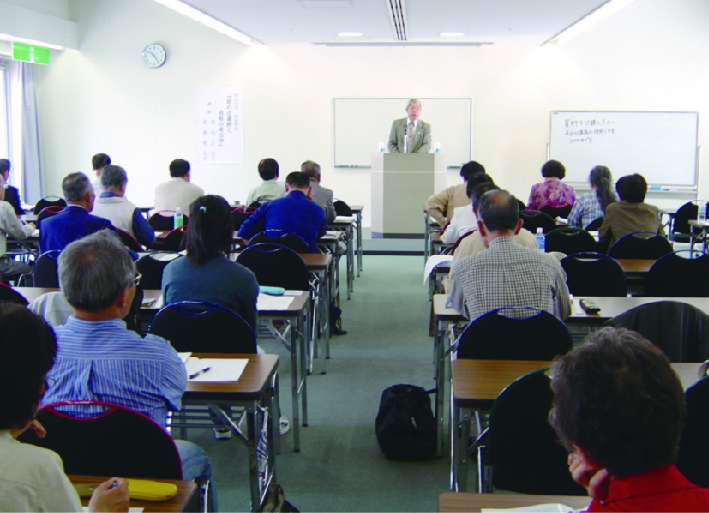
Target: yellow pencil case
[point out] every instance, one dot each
(138, 489)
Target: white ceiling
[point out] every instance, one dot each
(518, 22)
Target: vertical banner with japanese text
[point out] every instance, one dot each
(220, 124)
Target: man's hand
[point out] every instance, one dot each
(592, 477)
(111, 495)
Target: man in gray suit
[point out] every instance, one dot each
(321, 195)
(410, 134)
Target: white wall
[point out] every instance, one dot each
(653, 55)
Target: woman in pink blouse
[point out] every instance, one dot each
(551, 192)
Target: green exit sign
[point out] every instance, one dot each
(30, 53)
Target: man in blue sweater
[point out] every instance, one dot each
(294, 213)
(75, 221)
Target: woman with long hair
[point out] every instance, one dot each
(592, 205)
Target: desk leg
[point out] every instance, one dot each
(296, 382)
(253, 457)
(359, 243)
(350, 263)
(426, 239)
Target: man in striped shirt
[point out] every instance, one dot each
(99, 359)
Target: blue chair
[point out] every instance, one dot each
(199, 327)
(45, 272)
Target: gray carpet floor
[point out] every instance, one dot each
(340, 466)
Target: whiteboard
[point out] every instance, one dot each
(661, 146)
(361, 124)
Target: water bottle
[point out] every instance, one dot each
(702, 214)
(179, 220)
(540, 239)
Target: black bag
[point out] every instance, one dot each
(342, 209)
(405, 426)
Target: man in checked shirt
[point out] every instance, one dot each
(507, 274)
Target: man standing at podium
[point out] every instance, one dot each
(410, 134)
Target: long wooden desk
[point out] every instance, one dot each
(185, 493)
(475, 386)
(257, 392)
(461, 502)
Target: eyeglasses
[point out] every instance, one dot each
(137, 278)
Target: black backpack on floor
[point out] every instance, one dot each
(405, 425)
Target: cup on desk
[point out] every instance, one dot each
(436, 147)
(382, 147)
(702, 215)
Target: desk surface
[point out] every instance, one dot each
(453, 502)
(185, 490)
(483, 380)
(250, 384)
(636, 266)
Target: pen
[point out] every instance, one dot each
(199, 372)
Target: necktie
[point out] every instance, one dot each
(409, 137)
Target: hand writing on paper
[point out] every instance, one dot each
(111, 495)
(588, 474)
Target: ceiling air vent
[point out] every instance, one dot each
(397, 16)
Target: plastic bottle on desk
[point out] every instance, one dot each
(179, 219)
(540, 239)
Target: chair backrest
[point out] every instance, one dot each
(203, 328)
(174, 240)
(641, 245)
(679, 329)
(164, 223)
(694, 444)
(48, 201)
(570, 240)
(48, 212)
(289, 240)
(522, 449)
(10, 295)
(118, 442)
(533, 219)
(594, 274)
(46, 270)
(532, 334)
(675, 276)
(151, 267)
(555, 212)
(684, 214)
(594, 225)
(241, 214)
(275, 266)
(129, 241)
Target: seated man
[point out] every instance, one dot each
(473, 243)
(321, 195)
(294, 213)
(113, 205)
(12, 195)
(75, 221)
(507, 274)
(178, 192)
(270, 189)
(464, 218)
(11, 226)
(630, 214)
(99, 359)
(454, 196)
(619, 409)
(98, 162)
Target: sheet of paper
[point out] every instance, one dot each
(431, 264)
(220, 369)
(266, 302)
(541, 508)
(156, 303)
(184, 357)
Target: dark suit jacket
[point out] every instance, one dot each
(12, 196)
(72, 223)
(422, 137)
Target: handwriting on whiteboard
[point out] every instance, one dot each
(584, 131)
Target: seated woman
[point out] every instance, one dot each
(630, 214)
(551, 192)
(32, 478)
(619, 409)
(206, 273)
(592, 205)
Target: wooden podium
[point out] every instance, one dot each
(401, 184)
